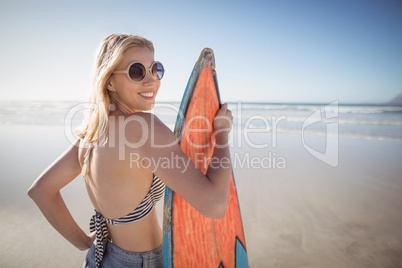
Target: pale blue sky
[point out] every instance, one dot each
(266, 51)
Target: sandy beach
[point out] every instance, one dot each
(301, 213)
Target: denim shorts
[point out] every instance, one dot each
(117, 257)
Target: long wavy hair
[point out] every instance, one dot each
(95, 125)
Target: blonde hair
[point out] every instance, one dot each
(95, 125)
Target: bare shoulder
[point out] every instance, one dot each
(146, 129)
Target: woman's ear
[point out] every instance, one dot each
(110, 86)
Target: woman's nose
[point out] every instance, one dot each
(149, 78)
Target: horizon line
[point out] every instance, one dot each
(230, 102)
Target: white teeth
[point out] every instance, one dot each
(147, 95)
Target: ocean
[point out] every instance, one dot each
(379, 122)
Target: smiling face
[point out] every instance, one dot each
(138, 96)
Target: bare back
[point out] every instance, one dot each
(116, 188)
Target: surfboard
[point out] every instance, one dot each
(190, 239)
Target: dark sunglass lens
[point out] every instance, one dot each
(157, 70)
(137, 72)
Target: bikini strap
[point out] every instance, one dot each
(85, 166)
(98, 225)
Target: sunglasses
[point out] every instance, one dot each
(137, 72)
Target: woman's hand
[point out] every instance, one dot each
(223, 122)
(45, 192)
(91, 239)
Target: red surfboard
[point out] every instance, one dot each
(190, 239)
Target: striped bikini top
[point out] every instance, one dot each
(98, 223)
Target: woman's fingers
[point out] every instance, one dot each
(224, 118)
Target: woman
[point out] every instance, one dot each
(124, 193)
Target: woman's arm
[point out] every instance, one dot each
(206, 193)
(45, 191)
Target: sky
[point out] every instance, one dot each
(310, 51)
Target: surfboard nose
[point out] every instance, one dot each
(207, 57)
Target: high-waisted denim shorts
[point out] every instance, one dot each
(117, 257)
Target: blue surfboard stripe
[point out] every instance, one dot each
(241, 255)
(167, 229)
